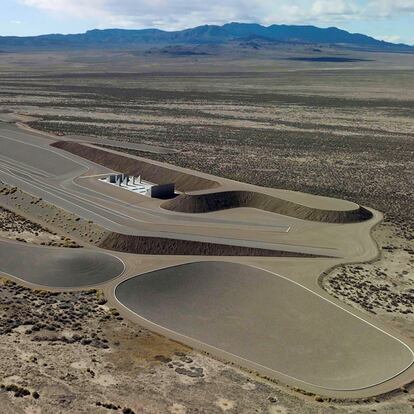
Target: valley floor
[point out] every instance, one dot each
(342, 130)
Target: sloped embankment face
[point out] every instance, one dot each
(165, 246)
(148, 171)
(204, 203)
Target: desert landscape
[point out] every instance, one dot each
(321, 120)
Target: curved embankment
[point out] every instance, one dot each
(148, 171)
(204, 203)
(164, 246)
(262, 320)
(212, 201)
(58, 267)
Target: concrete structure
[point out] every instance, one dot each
(137, 185)
(163, 191)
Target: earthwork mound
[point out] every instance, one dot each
(165, 246)
(205, 203)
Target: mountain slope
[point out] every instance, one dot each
(210, 34)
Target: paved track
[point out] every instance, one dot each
(262, 317)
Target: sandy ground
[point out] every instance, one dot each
(57, 345)
(384, 288)
(39, 214)
(16, 227)
(336, 130)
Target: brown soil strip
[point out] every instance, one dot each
(164, 246)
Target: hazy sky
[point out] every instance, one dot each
(391, 20)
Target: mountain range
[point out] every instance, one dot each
(207, 34)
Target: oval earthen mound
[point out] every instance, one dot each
(262, 320)
(209, 202)
(134, 166)
(58, 267)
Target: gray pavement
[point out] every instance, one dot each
(58, 267)
(269, 320)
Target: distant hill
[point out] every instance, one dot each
(207, 34)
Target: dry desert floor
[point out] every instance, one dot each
(337, 129)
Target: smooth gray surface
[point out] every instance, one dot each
(42, 159)
(268, 320)
(58, 267)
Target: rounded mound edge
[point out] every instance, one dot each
(209, 202)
